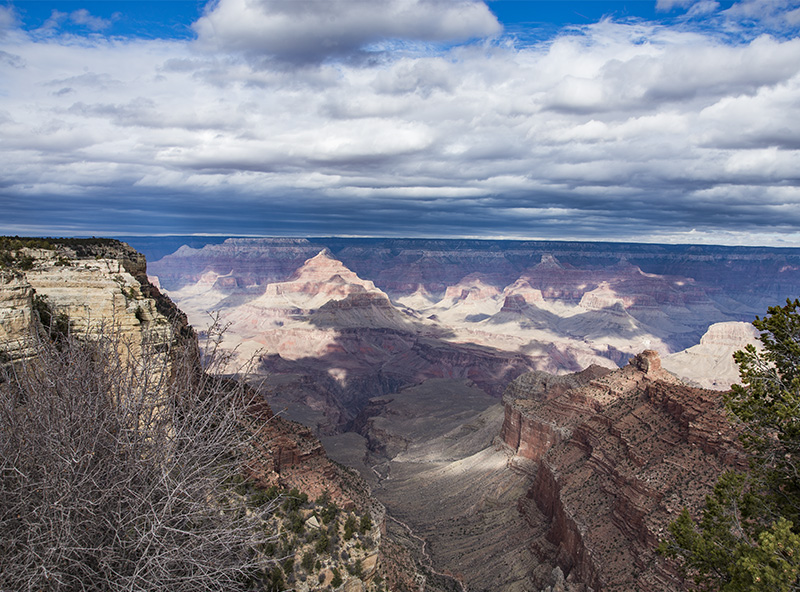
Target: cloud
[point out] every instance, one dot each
(310, 31)
(780, 17)
(618, 131)
(12, 60)
(667, 5)
(747, 18)
(83, 17)
(770, 11)
(8, 19)
(703, 8)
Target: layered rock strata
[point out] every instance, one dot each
(563, 305)
(16, 309)
(616, 456)
(98, 287)
(102, 288)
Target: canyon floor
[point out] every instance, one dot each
(432, 459)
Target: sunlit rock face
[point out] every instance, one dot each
(250, 261)
(16, 307)
(396, 351)
(617, 456)
(710, 363)
(104, 290)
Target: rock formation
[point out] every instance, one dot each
(563, 305)
(99, 287)
(710, 364)
(616, 455)
(16, 308)
(357, 334)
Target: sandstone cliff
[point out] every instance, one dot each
(562, 305)
(615, 455)
(99, 285)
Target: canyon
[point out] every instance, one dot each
(522, 415)
(532, 415)
(330, 323)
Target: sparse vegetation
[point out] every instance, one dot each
(133, 476)
(55, 324)
(12, 255)
(365, 525)
(337, 578)
(349, 527)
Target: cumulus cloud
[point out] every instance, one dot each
(311, 30)
(618, 131)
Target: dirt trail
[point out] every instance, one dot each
(428, 562)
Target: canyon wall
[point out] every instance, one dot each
(617, 456)
(99, 287)
(346, 332)
(640, 274)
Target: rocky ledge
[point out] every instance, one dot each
(616, 455)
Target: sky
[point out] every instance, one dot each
(673, 121)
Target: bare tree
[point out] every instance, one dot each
(117, 471)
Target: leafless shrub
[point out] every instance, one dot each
(117, 472)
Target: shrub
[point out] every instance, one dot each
(294, 499)
(337, 578)
(323, 544)
(308, 560)
(349, 527)
(748, 536)
(57, 325)
(365, 524)
(116, 476)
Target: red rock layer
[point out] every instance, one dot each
(289, 455)
(618, 456)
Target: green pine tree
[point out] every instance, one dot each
(748, 537)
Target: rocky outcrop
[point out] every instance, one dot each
(618, 455)
(564, 304)
(710, 363)
(16, 308)
(97, 286)
(290, 456)
(648, 274)
(528, 431)
(249, 261)
(319, 280)
(102, 288)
